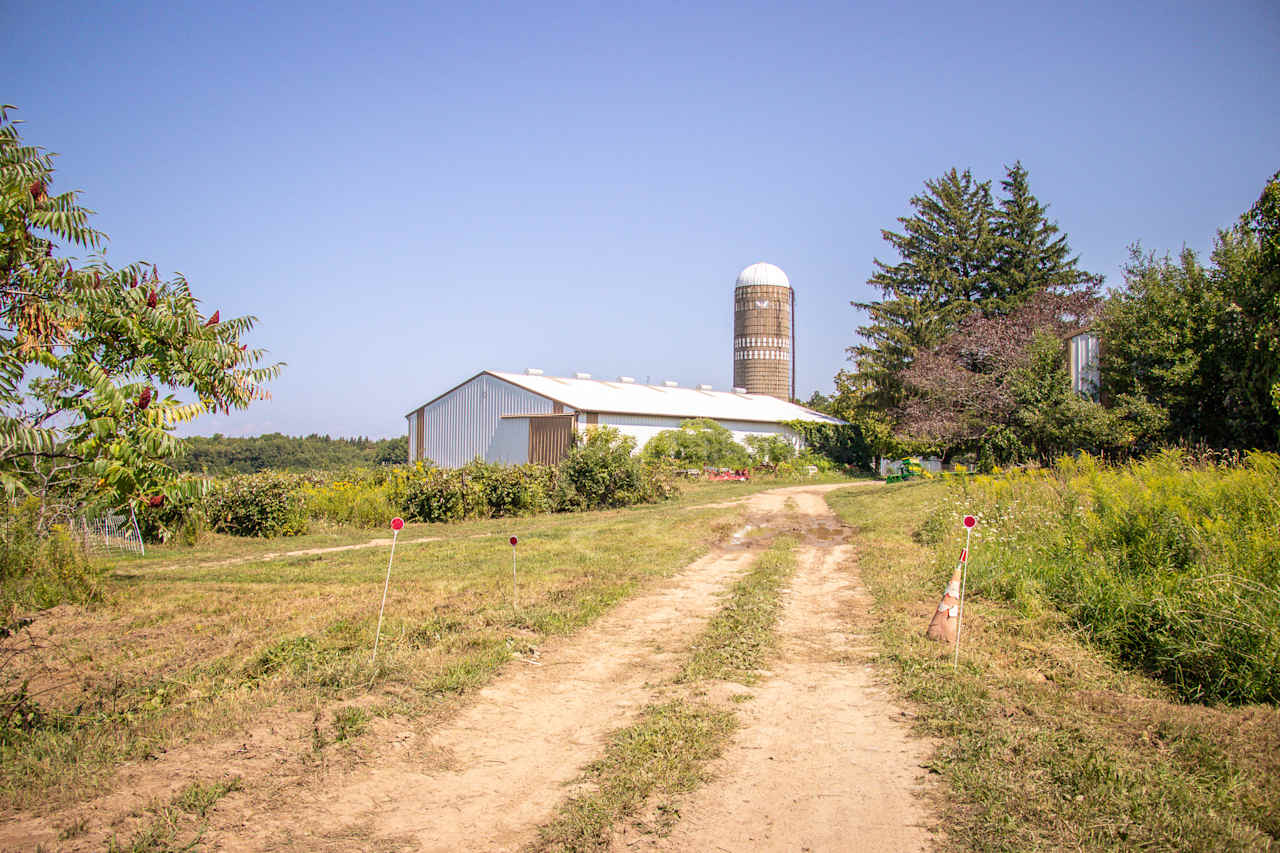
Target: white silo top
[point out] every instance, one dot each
(763, 273)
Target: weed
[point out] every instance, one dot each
(74, 830)
(198, 797)
(664, 755)
(173, 826)
(1173, 568)
(348, 723)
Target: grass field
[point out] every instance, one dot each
(195, 643)
(1044, 741)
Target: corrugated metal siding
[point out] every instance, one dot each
(645, 427)
(1085, 376)
(462, 424)
(510, 445)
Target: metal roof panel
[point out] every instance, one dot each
(595, 395)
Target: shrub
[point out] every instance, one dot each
(177, 519)
(512, 489)
(698, 442)
(263, 504)
(599, 471)
(39, 571)
(770, 450)
(441, 494)
(852, 444)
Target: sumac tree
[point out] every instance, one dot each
(99, 364)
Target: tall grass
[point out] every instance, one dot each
(1171, 566)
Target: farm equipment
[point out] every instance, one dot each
(907, 469)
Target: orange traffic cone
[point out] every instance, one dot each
(946, 619)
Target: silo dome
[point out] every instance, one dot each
(763, 273)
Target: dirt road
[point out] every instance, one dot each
(819, 762)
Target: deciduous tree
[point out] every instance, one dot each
(1202, 343)
(99, 364)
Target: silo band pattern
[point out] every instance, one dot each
(762, 339)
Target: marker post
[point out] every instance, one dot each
(397, 524)
(514, 605)
(969, 523)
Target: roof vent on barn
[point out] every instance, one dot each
(582, 376)
(671, 383)
(704, 387)
(532, 371)
(627, 379)
(738, 390)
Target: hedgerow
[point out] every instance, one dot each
(599, 472)
(40, 569)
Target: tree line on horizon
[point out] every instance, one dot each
(219, 454)
(964, 351)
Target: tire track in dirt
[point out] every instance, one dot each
(304, 552)
(821, 761)
(488, 777)
(483, 780)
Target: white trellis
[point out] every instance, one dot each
(111, 530)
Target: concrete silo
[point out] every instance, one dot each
(764, 332)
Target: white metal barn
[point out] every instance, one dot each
(516, 418)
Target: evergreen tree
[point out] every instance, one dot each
(947, 253)
(1032, 254)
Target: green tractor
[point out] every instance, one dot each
(907, 469)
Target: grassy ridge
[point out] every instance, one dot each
(736, 641)
(665, 753)
(1172, 568)
(1043, 743)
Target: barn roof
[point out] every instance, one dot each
(633, 398)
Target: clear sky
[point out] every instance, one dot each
(408, 194)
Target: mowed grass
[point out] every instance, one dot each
(188, 648)
(1044, 742)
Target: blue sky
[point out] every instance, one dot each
(408, 194)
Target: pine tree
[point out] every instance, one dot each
(1032, 255)
(948, 251)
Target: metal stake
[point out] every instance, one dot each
(395, 534)
(964, 574)
(515, 604)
